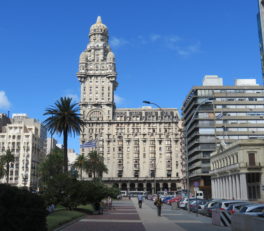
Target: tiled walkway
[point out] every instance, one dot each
(126, 216)
(123, 216)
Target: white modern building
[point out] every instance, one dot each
(140, 146)
(26, 139)
(237, 171)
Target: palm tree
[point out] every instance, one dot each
(95, 164)
(2, 168)
(81, 163)
(64, 119)
(5, 161)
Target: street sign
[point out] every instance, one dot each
(196, 184)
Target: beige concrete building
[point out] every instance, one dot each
(26, 138)
(237, 171)
(140, 146)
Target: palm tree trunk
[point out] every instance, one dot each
(7, 172)
(81, 172)
(65, 150)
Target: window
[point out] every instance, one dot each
(251, 159)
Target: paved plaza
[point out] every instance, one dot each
(125, 215)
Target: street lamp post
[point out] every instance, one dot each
(206, 101)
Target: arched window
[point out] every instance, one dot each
(95, 115)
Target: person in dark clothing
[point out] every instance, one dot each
(140, 200)
(158, 204)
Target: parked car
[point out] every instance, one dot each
(165, 199)
(194, 206)
(253, 210)
(209, 206)
(223, 205)
(174, 199)
(184, 203)
(235, 208)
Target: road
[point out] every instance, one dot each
(126, 215)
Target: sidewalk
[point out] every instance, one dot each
(152, 222)
(173, 220)
(122, 216)
(125, 215)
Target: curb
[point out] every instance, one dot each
(68, 223)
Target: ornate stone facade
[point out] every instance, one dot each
(237, 171)
(140, 146)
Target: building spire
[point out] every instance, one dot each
(99, 19)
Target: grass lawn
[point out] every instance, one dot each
(62, 216)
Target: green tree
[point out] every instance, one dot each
(2, 168)
(95, 164)
(81, 163)
(51, 166)
(64, 119)
(6, 159)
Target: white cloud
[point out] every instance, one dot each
(172, 42)
(155, 37)
(4, 102)
(118, 100)
(74, 97)
(188, 50)
(117, 42)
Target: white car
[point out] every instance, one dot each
(253, 210)
(183, 203)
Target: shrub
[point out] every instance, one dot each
(21, 210)
(64, 190)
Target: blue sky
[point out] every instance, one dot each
(162, 48)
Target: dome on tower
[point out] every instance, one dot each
(98, 27)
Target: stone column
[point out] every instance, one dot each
(221, 188)
(231, 196)
(234, 189)
(238, 187)
(169, 186)
(153, 187)
(243, 185)
(224, 188)
(217, 188)
(136, 186)
(262, 186)
(144, 186)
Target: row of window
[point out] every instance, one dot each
(240, 106)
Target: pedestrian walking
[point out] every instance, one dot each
(109, 202)
(140, 200)
(158, 204)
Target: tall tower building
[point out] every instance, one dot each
(260, 18)
(97, 75)
(26, 139)
(215, 114)
(140, 146)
